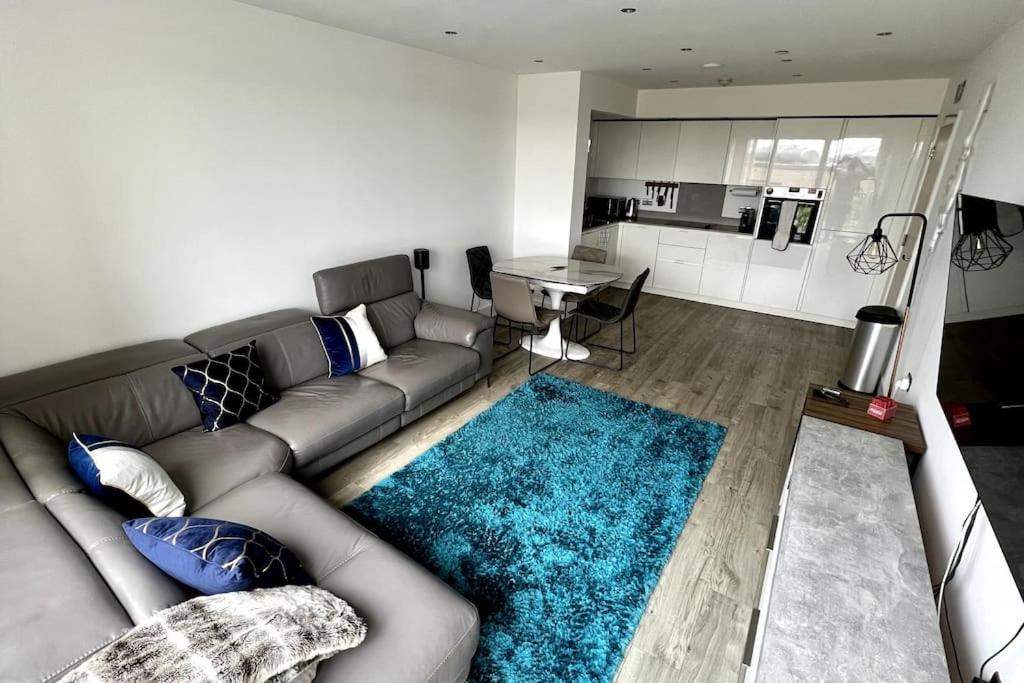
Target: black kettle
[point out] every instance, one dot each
(748, 219)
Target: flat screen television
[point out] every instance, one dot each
(981, 367)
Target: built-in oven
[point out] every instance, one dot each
(788, 215)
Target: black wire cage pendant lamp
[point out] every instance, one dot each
(982, 245)
(874, 254)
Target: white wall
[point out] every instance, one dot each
(546, 131)
(552, 142)
(172, 164)
(856, 98)
(984, 605)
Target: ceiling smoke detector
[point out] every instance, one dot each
(724, 81)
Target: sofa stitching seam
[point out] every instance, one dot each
(142, 407)
(105, 541)
(87, 653)
(339, 565)
(455, 647)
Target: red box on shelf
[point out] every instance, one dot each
(882, 408)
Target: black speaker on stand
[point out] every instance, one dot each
(421, 259)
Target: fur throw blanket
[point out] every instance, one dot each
(273, 634)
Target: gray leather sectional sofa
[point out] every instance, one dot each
(69, 580)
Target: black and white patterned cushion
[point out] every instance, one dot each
(228, 388)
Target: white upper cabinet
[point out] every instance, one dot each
(657, 156)
(618, 144)
(750, 152)
(701, 152)
(874, 168)
(805, 152)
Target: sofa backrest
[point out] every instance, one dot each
(384, 285)
(289, 348)
(128, 394)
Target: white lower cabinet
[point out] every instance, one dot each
(725, 265)
(677, 276)
(638, 249)
(775, 278)
(834, 289)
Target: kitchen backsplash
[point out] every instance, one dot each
(695, 201)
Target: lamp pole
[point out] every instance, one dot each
(910, 293)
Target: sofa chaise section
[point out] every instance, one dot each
(419, 629)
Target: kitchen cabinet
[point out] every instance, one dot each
(606, 238)
(833, 288)
(679, 265)
(805, 152)
(618, 144)
(725, 266)
(657, 157)
(750, 152)
(775, 278)
(638, 249)
(874, 164)
(701, 151)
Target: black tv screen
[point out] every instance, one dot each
(981, 368)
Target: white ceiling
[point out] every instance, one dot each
(828, 40)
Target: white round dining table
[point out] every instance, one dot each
(558, 275)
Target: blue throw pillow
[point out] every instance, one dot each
(213, 556)
(228, 388)
(349, 341)
(119, 473)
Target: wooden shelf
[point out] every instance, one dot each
(904, 426)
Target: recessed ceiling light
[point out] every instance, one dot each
(785, 60)
(645, 68)
(883, 34)
(712, 65)
(628, 10)
(686, 49)
(798, 75)
(451, 33)
(782, 52)
(538, 61)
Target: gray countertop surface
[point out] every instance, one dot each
(851, 598)
(707, 226)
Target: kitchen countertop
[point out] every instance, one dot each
(671, 223)
(851, 597)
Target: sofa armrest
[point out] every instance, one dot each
(437, 322)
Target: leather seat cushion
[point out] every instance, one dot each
(422, 369)
(322, 415)
(205, 465)
(56, 607)
(419, 628)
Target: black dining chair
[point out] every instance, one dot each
(580, 252)
(605, 314)
(480, 264)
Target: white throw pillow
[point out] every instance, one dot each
(106, 466)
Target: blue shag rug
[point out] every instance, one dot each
(554, 511)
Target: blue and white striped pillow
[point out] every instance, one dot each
(348, 340)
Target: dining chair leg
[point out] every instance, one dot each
(472, 301)
(622, 342)
(633, 316)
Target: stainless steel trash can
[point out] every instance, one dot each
(877, 327)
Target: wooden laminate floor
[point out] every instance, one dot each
(744, 370)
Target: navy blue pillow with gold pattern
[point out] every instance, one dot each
(227, 388)
(214, 556)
